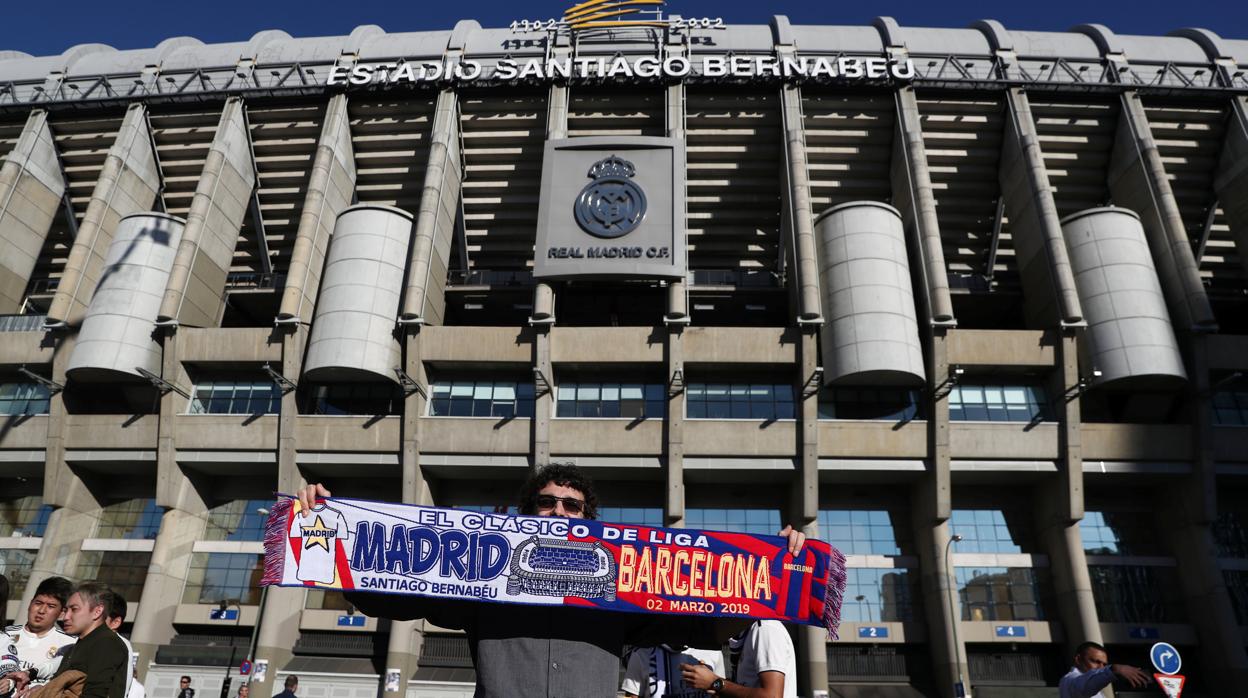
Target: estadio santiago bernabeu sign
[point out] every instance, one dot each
(612, 207)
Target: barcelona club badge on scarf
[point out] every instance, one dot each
(360, 545)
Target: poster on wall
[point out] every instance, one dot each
(261, 670)
(392, 680)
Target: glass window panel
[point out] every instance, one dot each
(483, 391)
(655, 392)
(587, 391)
(610, 392)
(504, 391)
(632, 392)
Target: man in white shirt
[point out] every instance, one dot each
(39, 639)
(1092, 672)
(654, 672)
(764, 665)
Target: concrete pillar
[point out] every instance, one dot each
(31, 193)
(677, 298)
(930, 511)
(1058, 506)
(330, 187)
(424, 299)
(76, 511)
(1034, 223)
(797, 206)
(1138, 180)
(556, 127)
(1231, 181)
(913, 197)
(279, 621)
(543, 396)
(812, 643)
(128, 183)
(195, 295)
(674, 501)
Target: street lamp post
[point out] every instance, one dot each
(959, 688)
(255, 627)
(222, 606)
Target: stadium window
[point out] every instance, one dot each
(236, 396)
(22, 398)
(739, 401)
(1230, 529)
(1237, 586)
(862, 532)
(878, 596)
(338, 399)
(988, 531)
(130, 519)
(611, 400)
(1119, 533)
(16, 565)
(1230, 405)
(1136, 593)
(635, 516)
(736, 520)
(237, 520)
(24, 516)
(124, 572)
(481, 399)
(216, 577)
(326, 600)
(855, 403)
(999, 593)
(997, 403)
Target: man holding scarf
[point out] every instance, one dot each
(549, 652)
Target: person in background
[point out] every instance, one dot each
(134, 689)
(654, 672)
(764, 665)
(1092, 672)
(244, 690)
(291, 685)
(184, 688)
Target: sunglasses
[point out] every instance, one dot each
(571, 505)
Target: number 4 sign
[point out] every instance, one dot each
(1171, 685)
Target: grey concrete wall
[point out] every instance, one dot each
(330, 187)
(1129, 338)
(1035, 228)
(1138, 180)
(128, 182)
(425, 296)
(116, 335)
(353, 335)
(196, 291)
(871, 336)
(31, 191)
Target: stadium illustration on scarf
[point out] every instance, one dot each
(362, 545)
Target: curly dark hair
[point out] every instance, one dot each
(564, 475)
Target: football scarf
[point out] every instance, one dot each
(360, 545)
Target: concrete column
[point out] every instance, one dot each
(31, 193)
(544, 396)
(330, 187)
(76, 511)
(1058, 507)
(1034, 223)
(677, 298)
(407, 637)
(128, 183)
(279, 623)
(932, 504)
(196, 291)
(556, 127)
(1138, 180)
(674, 502)
(183, 523)
(796, 204)
(812, 643)
(912, 195)
(1231, 181)
(424, 300)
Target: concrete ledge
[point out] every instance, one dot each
(1174, 633)
(745, 345)
(1227, 351)
(607, 436)
(19, 348)
(874, 439)
(477, 344)
(321, 619)
(744, 437)
(27, 432)
(1000, 348)
(607, 344)
(1038, 631)
(199, 614)
(1003, 440)
(1144, 442)
(212, 431)
(347, 433)
(94, 431)
(490, 435)
(229, 345)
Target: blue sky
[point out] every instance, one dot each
(47, 27)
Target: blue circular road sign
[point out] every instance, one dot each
(1165, 658)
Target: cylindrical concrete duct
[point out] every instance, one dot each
(353, 329)
(543, 302)
(116, 338)
(1130, 338)
(870, 334)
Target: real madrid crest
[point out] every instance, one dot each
(612, 205)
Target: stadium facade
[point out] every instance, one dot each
(972, 304)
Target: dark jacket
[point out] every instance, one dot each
(102, 656)
(286, 693)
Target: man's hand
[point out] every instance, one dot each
(796, 539)
(1136, 677)
(308, 495)
(697, 676)
(19, 679)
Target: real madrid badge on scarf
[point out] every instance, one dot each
(360, 545)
